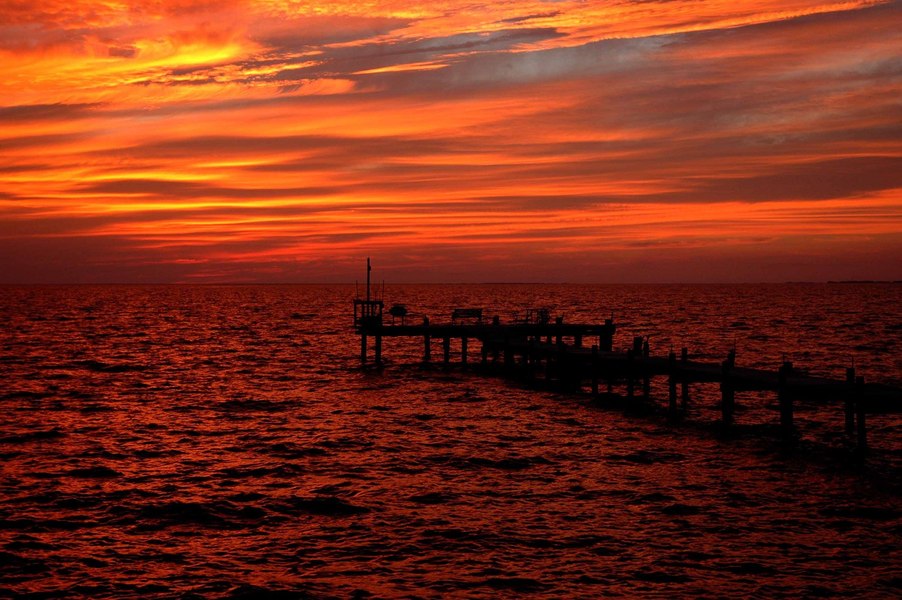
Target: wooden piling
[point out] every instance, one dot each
(606, 340)
(684, 382)
(563, 367)
(595, 368)
(363, 348)
(859, 416)
(629, 374)
(463, 351)
(446, 349)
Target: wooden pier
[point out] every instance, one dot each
(580, 358)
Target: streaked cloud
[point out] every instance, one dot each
(595, 141)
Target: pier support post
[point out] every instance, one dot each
(727, 395)
(463, 351)
(534, 360)
(859, 410)
(850, 402)
(446, 349)
(785, 400)
(629, 375)
(558, 336)
(484, 352)
(595, 365)
(684, 383)
(578, 340)
(563, 367)
(363, 348)
(671, 385)
(606, 341)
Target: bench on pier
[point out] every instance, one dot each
(458, 315)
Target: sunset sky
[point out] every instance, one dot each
(585, 141)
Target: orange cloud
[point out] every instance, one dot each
(235, 139)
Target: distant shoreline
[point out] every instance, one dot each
(897, 281)
(474, 283)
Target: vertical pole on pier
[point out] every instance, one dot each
(484, 352)
(684, 381)
(606, 341)
(629, 374)
(850, 402)
(427, 341)
(463, 351)
(446, 349)
(496, 322)
(859, 409)
(727, 395)
(558, 336)
(368, 269)
(785, 401)
(646, 378)
(671, 384)
(595, 365)
(578, 340)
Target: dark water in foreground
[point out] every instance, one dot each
(220, 442)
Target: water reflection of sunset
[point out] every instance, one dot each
(266, 141)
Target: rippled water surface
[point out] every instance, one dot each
(223, 442)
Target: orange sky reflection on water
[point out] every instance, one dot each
(523, 141)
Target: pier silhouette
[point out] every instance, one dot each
(555, 354)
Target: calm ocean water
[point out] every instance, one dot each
(207, 442)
